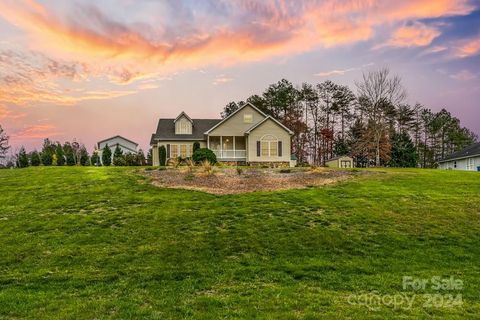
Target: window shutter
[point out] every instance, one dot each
(258, 148)
(279, 148)
(168, 151)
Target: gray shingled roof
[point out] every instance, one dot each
(166, 130)
(471, 150)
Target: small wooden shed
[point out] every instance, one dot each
(340, 162)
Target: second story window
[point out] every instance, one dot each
(247, 117)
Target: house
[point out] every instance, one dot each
(340, 162)
(466, 159)
(247, 136)
(127, 146)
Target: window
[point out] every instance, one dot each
(269, 146)
(247, 117)
(181, 150)
(173, 151)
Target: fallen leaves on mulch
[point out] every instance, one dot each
(228, 181)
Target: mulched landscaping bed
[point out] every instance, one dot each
(228, 181)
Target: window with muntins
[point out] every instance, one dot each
(269, 146)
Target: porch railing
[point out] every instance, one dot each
(230, 154)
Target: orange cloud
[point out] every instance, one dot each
(39, 131)
(416, 35)
(268, 28)
(468, 48)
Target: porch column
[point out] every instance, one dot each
(208, 142)
(234, 150)
(221, 146)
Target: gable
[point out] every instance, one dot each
(269, 126)
(239, 122)
(183, 125)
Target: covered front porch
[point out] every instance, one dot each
(228, 148)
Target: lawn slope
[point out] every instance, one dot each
(84, 243)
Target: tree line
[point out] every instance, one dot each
(374, 124)
(75, 154)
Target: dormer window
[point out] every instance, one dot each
(183, 124)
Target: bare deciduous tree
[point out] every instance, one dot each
(379, 94)
(3, 143)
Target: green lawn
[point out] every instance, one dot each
(85, 243)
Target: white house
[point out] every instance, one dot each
(127, 146)
(466, 159)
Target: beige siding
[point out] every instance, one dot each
(336, 163)
(235, 125)
(461, 164)
(183, 126)
(155, 157)
(269, 127)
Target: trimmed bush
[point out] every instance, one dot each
(203, 154)
(196, 146)
(162, 153)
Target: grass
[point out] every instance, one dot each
(85, 243)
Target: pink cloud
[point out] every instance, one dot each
(415, 35)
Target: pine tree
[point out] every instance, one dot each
(69, 154)
(60, 154)
(84, 157)
(22, 158)
(35, 158)
(106, 156)
(47, 152)
(403, 151)
(118, 157)
(149, 157)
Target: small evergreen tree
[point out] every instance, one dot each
(47, 152)
(60, 155)
(22, 158)
(106, 156)
(403, 151)
(196, 146)
(69, 154)
(162, 154)
(84, 157)
(35, 158)
(118, 157)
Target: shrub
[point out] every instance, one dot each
(22, 158)
(162, 153)
(107, 156)
(190, 164)
(203, 154)
(35, 159)
(285, 170)
(119, 161)
(239, 171)
(188, 177)
(196, 146)
(174, 162)
(207, 167)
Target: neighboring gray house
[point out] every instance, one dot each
(246, 136)
(466, 159)
(127, 146)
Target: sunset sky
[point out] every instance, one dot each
(93, 69)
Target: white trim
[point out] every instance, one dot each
(460, 158)
(274, 120)
(183, 114)
(269, 145)
(223, 120)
